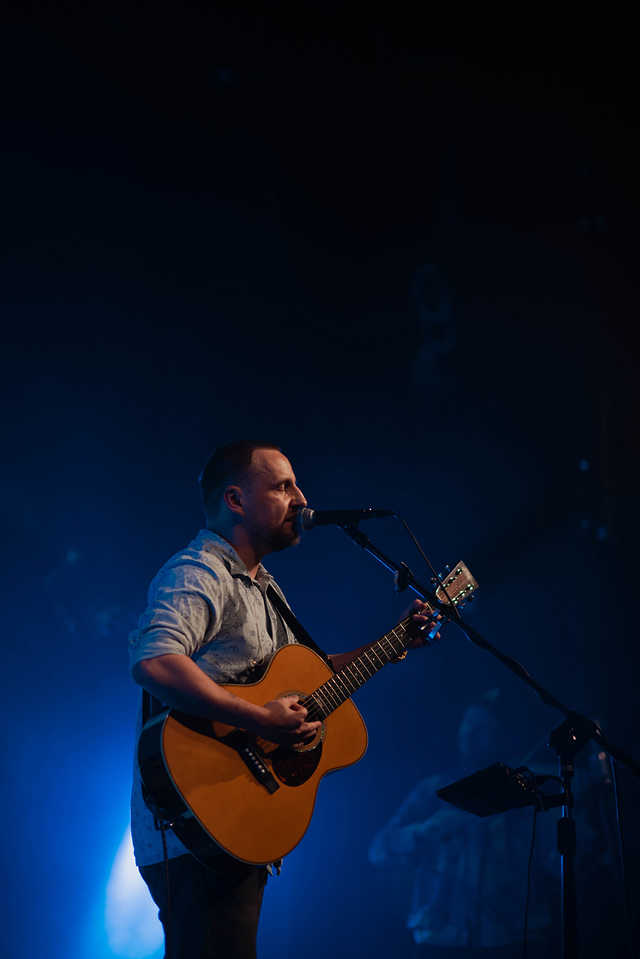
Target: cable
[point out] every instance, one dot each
(168, 931)
(437, 576)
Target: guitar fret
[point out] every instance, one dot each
(326, 698)
(346, 679)
(376, 653)
(392, 651)
(390, 644)
(320, 707)
(313, 707)
(342, 686)
(347, 670)
(389, 648)
(360, 677)
(331, 693)
(368, 664)
(364, 658)
(322, 698)
(326, 692)
(342, 692)
(398, 639)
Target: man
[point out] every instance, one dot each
(210, 621)
(469, 873)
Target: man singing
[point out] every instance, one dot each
(210, 621)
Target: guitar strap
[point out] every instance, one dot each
(295, 626)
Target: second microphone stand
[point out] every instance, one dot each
(566, 740)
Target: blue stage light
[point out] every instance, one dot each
(131, 916)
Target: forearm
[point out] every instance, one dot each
(340, 660)
(178, 682)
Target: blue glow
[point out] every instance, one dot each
(131, 916)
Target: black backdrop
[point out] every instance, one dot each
(406, 255)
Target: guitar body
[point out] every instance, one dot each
(198, 779)
(221, 789)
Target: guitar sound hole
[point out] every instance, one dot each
(293, 767)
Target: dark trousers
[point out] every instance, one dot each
(212, 912)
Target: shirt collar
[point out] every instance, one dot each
(214, 543)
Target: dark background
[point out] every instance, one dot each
(405, 252)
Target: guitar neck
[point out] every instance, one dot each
(454, 590)
(355, 674)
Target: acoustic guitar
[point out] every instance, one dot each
(222, 789)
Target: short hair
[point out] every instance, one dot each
(227, 464)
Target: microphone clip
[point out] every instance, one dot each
(401, 578)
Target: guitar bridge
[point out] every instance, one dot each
(249, 756)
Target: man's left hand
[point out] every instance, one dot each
(423, 622)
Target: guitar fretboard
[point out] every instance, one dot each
(455, 591)
(355, 674)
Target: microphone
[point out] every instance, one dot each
(308, 518)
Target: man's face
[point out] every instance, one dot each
(271, 500)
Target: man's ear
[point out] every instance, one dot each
(232, 498)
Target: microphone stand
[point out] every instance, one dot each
(566, 740)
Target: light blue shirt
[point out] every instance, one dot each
(203, 604)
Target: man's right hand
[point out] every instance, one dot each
(284, 722)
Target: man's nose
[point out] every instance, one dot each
(300, 499)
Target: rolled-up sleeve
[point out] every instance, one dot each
(182, 613)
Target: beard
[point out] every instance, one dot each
(270, 536)
(282, 538)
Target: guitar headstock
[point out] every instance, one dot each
(458, 586)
